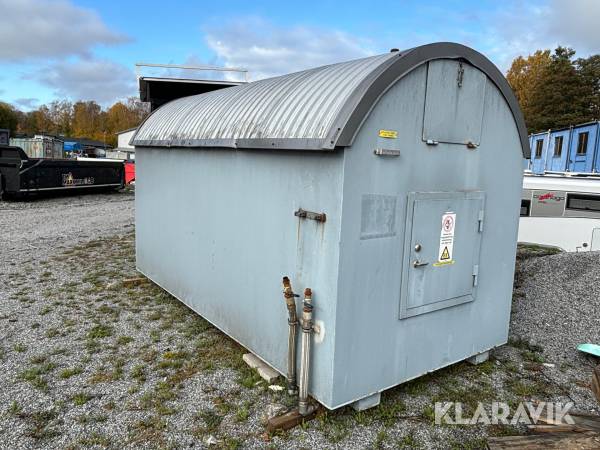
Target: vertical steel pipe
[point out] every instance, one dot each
(290, 300)
(307, 325)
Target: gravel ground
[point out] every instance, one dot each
(556, 307)
(89, 359)
(37, 228)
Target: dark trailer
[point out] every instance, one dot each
(21, 175)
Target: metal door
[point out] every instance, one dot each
(441, 250)
(583, 162)
(453, 102)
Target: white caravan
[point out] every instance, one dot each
(561, 210)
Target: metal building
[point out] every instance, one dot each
(390, 185)
(171, 81)
(571, 149)
(40, 146)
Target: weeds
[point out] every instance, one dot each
(81, 398)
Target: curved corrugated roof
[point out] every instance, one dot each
(316, 109)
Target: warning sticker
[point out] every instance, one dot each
(446, 239)
(390, 134)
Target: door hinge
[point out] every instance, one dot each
(475, 274)
(460, 74)
(480, 219)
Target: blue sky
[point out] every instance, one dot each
(83, 49)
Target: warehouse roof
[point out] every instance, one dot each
(316, 109)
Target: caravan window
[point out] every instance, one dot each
(525, 205)
(583, 202)
(582, 143)
(558, 142)
(538, 148)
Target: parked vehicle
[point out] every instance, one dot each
(21, 175)
(40, 146)
(561, 210)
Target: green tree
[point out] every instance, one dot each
(559, 99)
(525, 75)
(555, 91)
(589, 69)
(61, 116)
(83, 119)
(89, 120)
(9, 117)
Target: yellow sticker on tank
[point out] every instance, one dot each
(389, 134)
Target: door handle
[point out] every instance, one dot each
(417, 263)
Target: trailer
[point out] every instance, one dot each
(561, 210)
(21, 175)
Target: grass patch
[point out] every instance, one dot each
(211, 419)
(95, 439)
(45, 310)
(100, 331)
(138, 373)
(52, 333)
(242, 412)
(149, 430)
(34, 375)
(41, 424)
(14, 409)
(124, 340)
(68, 373)
(20, 348)
(408, 441)
(81, 398)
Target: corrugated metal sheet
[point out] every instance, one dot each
(300, 105)
(317, 109)
(40, 147)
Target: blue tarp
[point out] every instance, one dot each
(71, 146)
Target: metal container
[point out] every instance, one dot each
(40, 146)
(21, 176)
(390, 185)
(572, 149)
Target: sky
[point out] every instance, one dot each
(87, 50)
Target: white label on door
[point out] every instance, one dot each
(446, 239)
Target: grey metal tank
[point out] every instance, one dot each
(414, 161)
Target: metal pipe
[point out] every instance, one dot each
(290, 300)
(307, 327)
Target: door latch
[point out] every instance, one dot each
(417, 263)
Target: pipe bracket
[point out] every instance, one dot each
(303, 214)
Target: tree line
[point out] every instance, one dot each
(554, 89)
(81, 119)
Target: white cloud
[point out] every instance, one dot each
(576, 22)
(27, 103)
(32, 29)
(267, 50)
(522, 28)
(88, 79)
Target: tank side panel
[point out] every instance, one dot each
(374, 348)
(216, 228)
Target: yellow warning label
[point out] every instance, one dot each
(445, 254)
(389, 134)
(443, 263)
